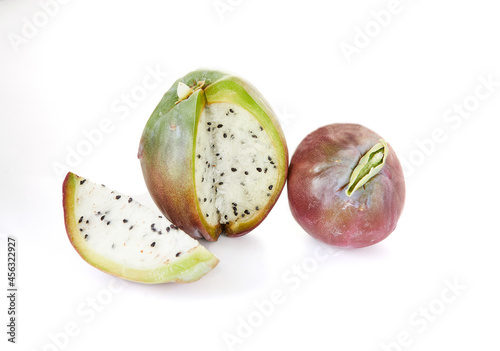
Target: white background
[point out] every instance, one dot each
(65, 68)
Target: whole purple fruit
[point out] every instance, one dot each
(346, 186)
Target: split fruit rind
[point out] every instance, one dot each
(213, 155)
(119, 236)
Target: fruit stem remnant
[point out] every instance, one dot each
(368, 166)
(184, 91)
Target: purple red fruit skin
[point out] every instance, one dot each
(319, 171)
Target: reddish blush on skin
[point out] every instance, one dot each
(320, 178)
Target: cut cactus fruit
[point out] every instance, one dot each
(213, 155)
(119, 236)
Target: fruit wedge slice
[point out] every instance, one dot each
(119, 236)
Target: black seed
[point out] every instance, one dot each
(199, 156)
(242, 184)
(129, 200)
(234, 204)
(87, 221)
(261, 128)
(205, 199)
(177, 254)
(265, 170)
(209, 123)
(231, 110)
(243, 215)
(108, 222)
(213, 180)
(225, 216)
(152, 226)
(234, 209)
(220, 183)
(206, 214)
(159, 233)
(210, 200)
(224, 135)
(219, 125)
(168, 229)
(202, 179)
(98, 212)
(160, 216)
(268, 194)
(271, 162)
(216, 190)
(153, 244)
(103, 185)
(113, 246)
(118, 197)
(86, 236)
(81, 229)
(259, 169)
(208, 166)
(270, 187)
(222, 174)
(232, 136)
(247, 212)
(131, 227)
(254, 136)
(213, 146)
(217, 154)
(246, 173)
(256, 208)
(102, 218)
(208, 129)
(80, 220)
(174, 227)
(269, 158)
(233, 169)
(274, 166)
(217, 211)
(82, 181)
(125, 220)
(227, 222)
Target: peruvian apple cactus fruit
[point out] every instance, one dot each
(119, 236)
(213, 155)
(346, 186)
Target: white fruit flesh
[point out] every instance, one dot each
(127, 232)
(235, 164)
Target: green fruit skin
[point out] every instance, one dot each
(167, 148)
(319, 172)
(191, 268)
